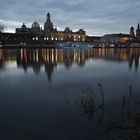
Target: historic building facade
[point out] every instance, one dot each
(116, 39)
(51, 33)
(136, 35)
(122, 38)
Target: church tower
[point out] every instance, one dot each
(48, 26)
(132, 31)
(138, 32)
(48, 16)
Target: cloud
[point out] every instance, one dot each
(98, 17)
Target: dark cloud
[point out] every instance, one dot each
(95, 16)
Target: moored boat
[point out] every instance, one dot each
(135, 45)
(65, 44)
(75, 45)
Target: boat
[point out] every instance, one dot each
(135, 45)
(82, 45)
(112, 45)
(65, 45)
(75, 45)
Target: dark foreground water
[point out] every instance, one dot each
(68, 94)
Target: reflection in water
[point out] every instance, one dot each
(49, 59)
(56, 110)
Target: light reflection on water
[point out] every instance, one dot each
(66, 93)
(55, 59)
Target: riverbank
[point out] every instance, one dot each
(15, 46)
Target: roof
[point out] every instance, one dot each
(117, 35)
(35, 25)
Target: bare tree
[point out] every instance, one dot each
(2, 27)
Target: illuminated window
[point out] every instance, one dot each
(36, 38)
(52, 38)
(47, 38)
(83, 39)
(44, 38)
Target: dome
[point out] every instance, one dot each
(132, 28)
(81, 31)
(35, 25)
(67, 30)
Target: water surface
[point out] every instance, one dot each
(57, 93)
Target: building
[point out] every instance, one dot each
(48, 25)
(36, 29)
(116, 39)
(138, 32)
(132, 33)
(93, 39)
(49, 33)
(23, 30)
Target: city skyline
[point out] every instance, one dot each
(96, 17)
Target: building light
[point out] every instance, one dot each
(61, 39)
(47, 38)
(33, 38)
(36, 38)
(52, 38)
(56, 39)
(79, 36)
(44, 38)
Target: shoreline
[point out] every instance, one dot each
(54, 46)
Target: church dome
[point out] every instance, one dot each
(35, 25)
(67, 30)
(81, 31)
(132, 28)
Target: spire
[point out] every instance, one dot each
(138, 31)
(48, 16)
(48, 26)
(138, 25)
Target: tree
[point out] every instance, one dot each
(2, 27)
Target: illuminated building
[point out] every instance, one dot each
(51, 33)
(117, 38)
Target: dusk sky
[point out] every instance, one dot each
(97, 17)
